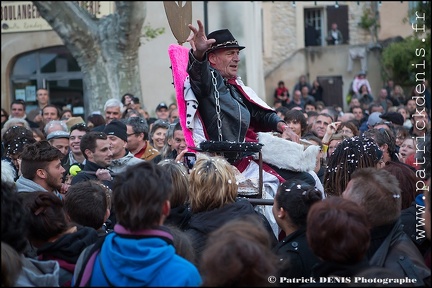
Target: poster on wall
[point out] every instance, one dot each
(30, 92)
(20, 94)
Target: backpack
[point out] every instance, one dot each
(85, 263)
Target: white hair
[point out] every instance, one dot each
(14, 122)
(53, 123)
(113, 103)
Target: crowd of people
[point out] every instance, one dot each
(109, 201)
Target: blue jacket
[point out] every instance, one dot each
(143, 258)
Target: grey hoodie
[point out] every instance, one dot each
(27, 185)
(120, 165)
(37, 273)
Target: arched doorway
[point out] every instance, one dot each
(53, 68)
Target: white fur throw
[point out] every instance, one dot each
(286, 154)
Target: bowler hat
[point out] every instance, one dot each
(224, 39)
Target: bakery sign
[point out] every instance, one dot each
(23, 16)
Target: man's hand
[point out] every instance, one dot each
(104, 175)
(198, 40)
(287, 133)
(64, 188)
(330, 130)
(290, 135)
(179, 158)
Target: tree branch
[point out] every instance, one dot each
(59, 14)
(131, 19)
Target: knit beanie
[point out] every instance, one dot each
(116, 128)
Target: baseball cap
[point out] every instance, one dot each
(161, 106)
(57, 135)
(374, 119)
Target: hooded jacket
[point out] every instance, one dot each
(136, 258)
(27, 185)
(66, 250)
(120, 165)
(37, 273)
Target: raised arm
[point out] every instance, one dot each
(198, 41)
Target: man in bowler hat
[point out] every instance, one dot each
(230, 111)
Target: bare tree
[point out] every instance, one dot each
(106, 49)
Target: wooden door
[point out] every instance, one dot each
(332, 90)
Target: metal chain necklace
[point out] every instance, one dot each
(218, 108)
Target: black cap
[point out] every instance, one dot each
(116, 128)
(224, 39)
(394, 117)
(162, 105)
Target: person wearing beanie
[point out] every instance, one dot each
(116, 131)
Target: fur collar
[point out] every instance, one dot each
(286, 154)
(8, 172)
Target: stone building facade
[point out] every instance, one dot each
(272, 31)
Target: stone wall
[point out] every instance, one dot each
(324, 61)
(281, 27)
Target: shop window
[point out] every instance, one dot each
(52, 68)
(25, 65)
